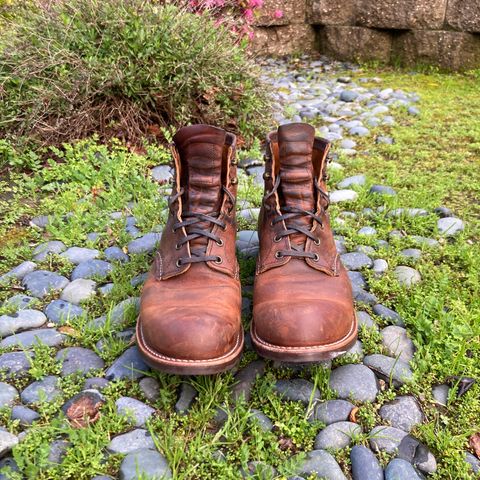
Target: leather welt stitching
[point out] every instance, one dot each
(313, 347)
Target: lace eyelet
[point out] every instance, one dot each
(277, 239)
(219, 242)
(316, 241)
(224, 227)
(178, 263)
(278, 254)
(177, 246)
(218, 261)
(316, 258)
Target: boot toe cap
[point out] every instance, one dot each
(188, 335)
(303, 324)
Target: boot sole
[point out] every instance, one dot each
(315, 353)
(180, 366)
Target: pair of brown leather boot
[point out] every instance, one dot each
(189, 320)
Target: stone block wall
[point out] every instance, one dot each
(438, 32)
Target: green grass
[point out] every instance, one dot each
(434, 162)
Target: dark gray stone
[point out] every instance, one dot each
(357, 279)
(58, 450)
(362, 296)
(473, 461)
(365, 465)
(98, 269)
(297, 390)
(136, 411)
(407, 276)
(186, 398)
(40, 222)
(77, 255)
(60, 312)
(18, 273)
(348, 95)
(15, 364)
(116, 254)
(344, 195)
(389, 369)
(25, 415)
(411, 254)
(332, 411)
(8, 466)
(364, 318)
(440, 394)
(356, 261)
(382, 190)
(416, 453)
(424, 241)
(129, 365)
(42, 282)
(403, 412)
(351, 181)
(246, 378)
(399, 469)
(261, 420)
(443, 212)
(7, 442)
(47, 336)
(95, 383)
(146, 244)
(129, 442)
(78, 291)
(354, 381)
(22, 320)
(323, 464)
(386, 439)
(450, 226)
(150, 388)
(337, 435)
(41, 390)
(388, 314)
(396, 342)
(144, 463)
(78, 360)
(8, 395)
(20, 302)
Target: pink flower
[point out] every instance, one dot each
(278, 14)
(255, 3)
(248, 14)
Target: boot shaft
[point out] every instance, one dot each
(295, 174)
(201, 225)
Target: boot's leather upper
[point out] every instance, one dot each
(302, 293)
(191, 301)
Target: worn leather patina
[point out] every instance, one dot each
(190, 309)
(303, 306)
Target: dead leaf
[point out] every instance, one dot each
(353, 415)
(84, 411)
(286, 443)
(69, 331)
(474, 443)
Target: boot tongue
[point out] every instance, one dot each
(295, 143)
(201, 154)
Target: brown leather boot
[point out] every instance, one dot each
(190, 309)
(302, 303)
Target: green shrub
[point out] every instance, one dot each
(122, 68)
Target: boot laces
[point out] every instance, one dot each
(288, 215)
(189, 221)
